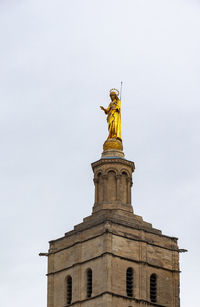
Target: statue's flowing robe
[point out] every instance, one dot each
(114, 119)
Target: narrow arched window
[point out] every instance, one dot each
(129, 282)
(124, 188)
(111, 187)
(89, 283)
(153, 288)
(69, 289)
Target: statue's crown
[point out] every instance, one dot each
(114, 90)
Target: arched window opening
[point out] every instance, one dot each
(124, 188)
(89, 283)
(69, 289)
(153, 288)
(129, 282)
(111, 186)
(100, 192)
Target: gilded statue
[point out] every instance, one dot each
(113, 113)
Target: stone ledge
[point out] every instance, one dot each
(115, 256)
(112, 206)
(129, 299)
(106, 230)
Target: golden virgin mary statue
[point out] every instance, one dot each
(113, 111)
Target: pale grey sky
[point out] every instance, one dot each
(58, 60)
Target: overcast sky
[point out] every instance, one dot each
(58, 61)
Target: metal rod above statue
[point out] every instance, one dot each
(113, 144)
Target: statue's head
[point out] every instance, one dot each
(114, 94)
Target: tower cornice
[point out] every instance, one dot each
(113, 160)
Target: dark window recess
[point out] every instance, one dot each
(129, 282)
(153, 288)
(69, 289)
(89, 283)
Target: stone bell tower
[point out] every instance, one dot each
(113, 258)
